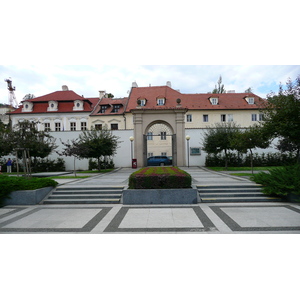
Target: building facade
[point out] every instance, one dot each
(158, 118)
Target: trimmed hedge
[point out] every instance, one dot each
(160, 178)
(259, 160)
(10, 184)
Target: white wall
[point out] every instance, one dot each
(196, 141)
(121, 159)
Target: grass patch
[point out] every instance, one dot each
(241, 168)
(241, 174)
(10, 184)
(69, 177)
(95, 171)
(160, 178)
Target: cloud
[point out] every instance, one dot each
(87, 80)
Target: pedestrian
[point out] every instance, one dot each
(9, 164)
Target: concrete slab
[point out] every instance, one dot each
(207, 218)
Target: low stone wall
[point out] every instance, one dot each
(29, 197)
(160, 196)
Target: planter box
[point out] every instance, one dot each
(160, 196)
(28, 197)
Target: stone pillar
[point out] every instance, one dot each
(180, 138)
(138, 138)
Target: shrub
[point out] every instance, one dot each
(10, 184)
(259, 160)
(280, 181)
(160, 178)
(104, 164)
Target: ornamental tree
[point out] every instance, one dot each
(251, 138)
(217, 138)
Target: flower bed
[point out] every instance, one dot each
(160, 178)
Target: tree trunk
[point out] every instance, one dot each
(226, 160)
(251, 159)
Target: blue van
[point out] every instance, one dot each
(159, 161)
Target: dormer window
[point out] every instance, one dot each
(250, 100)
(78, 105)
(161, 101)
(116, 108)
(103, 109)
(214, 101)
(143, 102)
(27, 106)
(53, 106)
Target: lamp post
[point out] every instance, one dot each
(131, 140)
(188, 149)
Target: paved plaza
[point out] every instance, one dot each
(201, 218)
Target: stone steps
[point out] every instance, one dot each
(85, 195)
(233, 193)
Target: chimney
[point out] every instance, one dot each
(169, 84)
(101, 94)
(65, 88)
(134, 84)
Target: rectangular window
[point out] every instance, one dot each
(250, 100)
(73, 126)
(143, 102)
(98, 126)
(47, 126)
(214, 101)
(253, 117)
(83, 126)
(261, 117)
(164, 154)
(223, 118)
(189, 118)
(57, 127)
(229, 118)
(114, 126)
(150, 136)
(205, 118)
(163, 136)
(116, 108)
(150, 154)
(160, 101)
(103, 109)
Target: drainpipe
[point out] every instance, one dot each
(124, 120)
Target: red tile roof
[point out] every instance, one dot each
(188, 101)
(110, 102)
(65, 101)
(58, 96)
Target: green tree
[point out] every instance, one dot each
(282, 113)
(93, 144)
(5, 147)
(251, 138)
(217, 138)
(220, 89)
(249, 90)
(29, 142)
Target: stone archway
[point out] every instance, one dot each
(159, 139)
(174, 119)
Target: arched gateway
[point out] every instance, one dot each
(168, 125)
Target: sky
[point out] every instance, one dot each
(87, 80)
(107, 45)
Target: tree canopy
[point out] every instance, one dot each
(251, 138)
(92, 143)
(282, 113)
(220, 88)
(217, 138)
